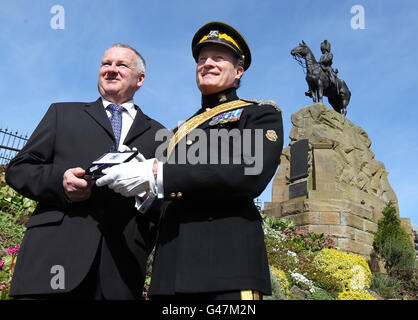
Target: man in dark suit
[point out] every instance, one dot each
(211, 241)
(85, 242)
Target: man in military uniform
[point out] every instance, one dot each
(211, 241)
(326, 60)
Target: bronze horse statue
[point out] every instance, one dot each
(319, 82)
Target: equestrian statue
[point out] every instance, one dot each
(322, 78)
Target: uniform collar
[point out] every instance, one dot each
(212, 100)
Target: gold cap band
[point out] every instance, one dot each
(223, 36)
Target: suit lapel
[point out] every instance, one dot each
(140, 125)
(98, 113)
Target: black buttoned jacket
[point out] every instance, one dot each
(69, 234)
(211, 237)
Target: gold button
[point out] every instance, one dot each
(179, 194)
(172, 195)
(189, 142)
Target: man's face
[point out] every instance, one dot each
(118, 75)
(215, 69)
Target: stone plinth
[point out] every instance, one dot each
(347, 188)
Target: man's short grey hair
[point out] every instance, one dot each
(141, 61)
(239, 62)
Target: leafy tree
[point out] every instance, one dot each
(393, 244)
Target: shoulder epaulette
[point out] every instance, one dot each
(262, 102)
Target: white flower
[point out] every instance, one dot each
(277, 235)
(294, 255)
(301, 278)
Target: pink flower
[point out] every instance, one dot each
(2, 262)
(11, 251)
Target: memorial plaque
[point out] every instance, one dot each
(299, 159)
(298, 190)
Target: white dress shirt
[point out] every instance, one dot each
(128, 116)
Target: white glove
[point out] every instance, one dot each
(130, 179)
(139, 157)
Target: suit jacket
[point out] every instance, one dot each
(211, 237)
(69, 234)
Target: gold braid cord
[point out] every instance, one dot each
(196, 121)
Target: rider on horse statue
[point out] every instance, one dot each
(322, 78)
(326, 61)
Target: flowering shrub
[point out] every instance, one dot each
(355, 295)
(272, 234)
(349, 270)
(301, 279)
(309, 261)
(6, 271)
(282, 280)
(308, 240)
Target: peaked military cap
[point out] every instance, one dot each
(223, 34)
(326, 45)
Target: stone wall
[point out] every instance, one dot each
(343, 190)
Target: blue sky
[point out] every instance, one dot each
(42, 65)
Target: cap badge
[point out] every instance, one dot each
(213, 34)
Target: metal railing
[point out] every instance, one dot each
(10, 144)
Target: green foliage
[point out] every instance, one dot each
(319, 295)
(13, 203)
(319, 277)
(279, 285)
(10, 232)
(304, 240)
(14, 213)
(278, 224)
(7, 264)
(385, 286)
(393, 244)
(409, 284)
(297, 240)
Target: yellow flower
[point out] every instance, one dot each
(351, 271)
(281, 279)
(355, 295)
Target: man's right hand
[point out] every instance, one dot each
(76, 188)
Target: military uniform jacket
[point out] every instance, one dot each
(210, 236)
(68, 235)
